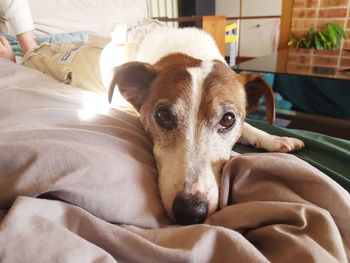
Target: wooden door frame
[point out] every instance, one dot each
(286, 23)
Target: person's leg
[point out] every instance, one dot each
(12, 46)
(27, 41)
(6, 50)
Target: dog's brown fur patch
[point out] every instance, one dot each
(221, 88)
(173, 78)
(172, 81)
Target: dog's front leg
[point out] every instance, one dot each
(260, 139)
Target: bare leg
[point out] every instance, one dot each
(6, 50)
(260, 139)
(27, 41)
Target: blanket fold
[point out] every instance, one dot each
(77, 189)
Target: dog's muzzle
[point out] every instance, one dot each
(190, 209)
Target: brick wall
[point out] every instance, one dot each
(316, 13)
(329, 63)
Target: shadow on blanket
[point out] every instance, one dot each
(274, 207)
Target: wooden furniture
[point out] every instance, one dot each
(286, 20)
(215, 25)
(258, 23)
(306, 63)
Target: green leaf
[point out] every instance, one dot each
(324, 39)
(332, 35)
(301, 42)
(310, 43)
(311, 32)
(330, 39)
(292, 40)
(291, 43)
(318, 42)
(338, 45)
(339, 30)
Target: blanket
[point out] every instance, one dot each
(80, 185)
(329, 154)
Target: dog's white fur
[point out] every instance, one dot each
(193, 164)
(189, 41)
(151, 52)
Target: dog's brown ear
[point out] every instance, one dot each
(255, 87)
(133, 80)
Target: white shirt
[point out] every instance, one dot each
(15, 16)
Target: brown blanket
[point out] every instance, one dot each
(84, 189)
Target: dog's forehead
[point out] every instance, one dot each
(179, 77)
(173, 78)
(221, 90)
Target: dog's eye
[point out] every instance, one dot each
(165, 119)
(227, 121)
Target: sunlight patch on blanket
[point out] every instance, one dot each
(94, 104)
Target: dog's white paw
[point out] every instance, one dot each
(281, 144)
(272, 143)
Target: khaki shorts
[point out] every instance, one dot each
(70, 63)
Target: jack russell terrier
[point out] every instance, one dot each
(193, 105)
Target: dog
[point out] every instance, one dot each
(193, 105)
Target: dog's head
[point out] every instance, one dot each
(193, 111)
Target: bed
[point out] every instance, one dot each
(80, 185)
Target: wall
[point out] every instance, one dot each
(235, 8)
(316, 13)
(162, 8)
(227, 8)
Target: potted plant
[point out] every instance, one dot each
(319, 39)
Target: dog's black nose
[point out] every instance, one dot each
(190, 209)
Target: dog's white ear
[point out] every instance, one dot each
(255, 87)
(133, 80)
